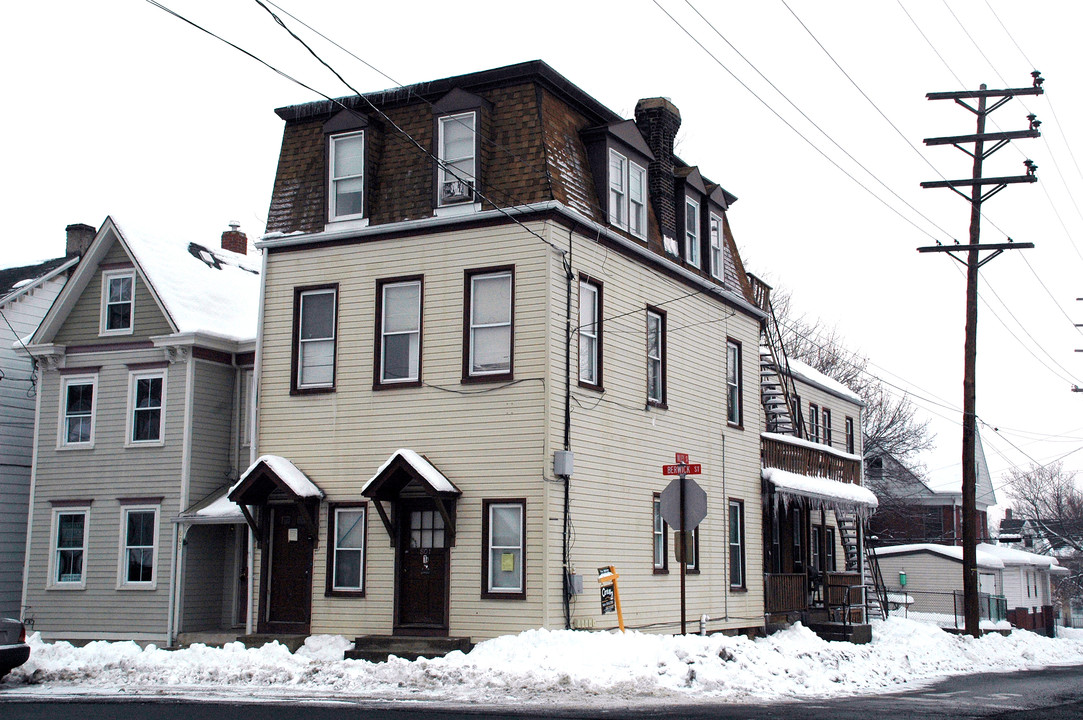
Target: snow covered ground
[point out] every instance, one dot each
(541, 666)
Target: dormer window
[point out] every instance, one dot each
(458, 158)
(691, 231)
(118, 302)
(347, 176)
(716, 247)
(627, 195)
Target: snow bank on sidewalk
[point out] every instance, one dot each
(548, 666)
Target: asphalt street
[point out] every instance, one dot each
(1050, 694)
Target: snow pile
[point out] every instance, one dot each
(551, 667)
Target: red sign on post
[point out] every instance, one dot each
(681, 458)
(682, 469)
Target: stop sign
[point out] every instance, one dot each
(695, 503)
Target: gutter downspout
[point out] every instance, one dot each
(253, 448)
(565, 550)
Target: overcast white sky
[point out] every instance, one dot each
(120, 109)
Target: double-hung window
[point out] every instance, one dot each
(77, 405)
(716, 247)
(398, 331)
(737, 543)
(661, 560)
(850, 435)
(733, 382)
(146, 407)
(691, 231)
(813, 422)
(347, 176)
(656, 352)
(346, 561)
(825, 422)
(315, 332)
(139, 541)
(504, 534)
(590, 333)
(489, 322)
(118, 302)
(458, 158)
(70, 546)
(627, 195)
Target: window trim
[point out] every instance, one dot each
(52, 582)
(692, 237)
(618, 207)
(740, 506)
(814, 422)
(660, 402)
(641, 215)
(825, 425)
(487, 591)
(62, 425)
(378, 381)
(499, 376)
(107, 276)
(656, 517)
(295, 361)
(737, 384)
(332, 210)
(850, 439)
(716, 265)
(619, 213)
(133, 379)
(596, 286)
(440, 150)
(123, 583)
(332, 548)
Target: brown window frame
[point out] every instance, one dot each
(468, 277)
(486, 592)
(814, 422)
(740, 422)
(825, 425)
(850, 446)
(585, 279)
(295, 359)
(743, 586)
(662, 403)
(332, 543)
(662, 569)
(378, 382)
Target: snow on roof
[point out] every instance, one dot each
(424, 468)
(1011, 556)
(287, 472)
(953, 552)
(203, 288)
(819, 488)
(809, 374)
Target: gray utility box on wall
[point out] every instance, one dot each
(563, 463)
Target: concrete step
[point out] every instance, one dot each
(293, 642)
(840, 632)
(377, 648)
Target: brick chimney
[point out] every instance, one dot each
(80, 236)
(658, 120)
(234, 240)
(1007, 513)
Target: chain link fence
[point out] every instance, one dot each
(946, 608)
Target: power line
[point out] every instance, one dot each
(788, 124)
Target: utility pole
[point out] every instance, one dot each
(973, 263)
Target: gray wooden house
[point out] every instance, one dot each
(142, 414)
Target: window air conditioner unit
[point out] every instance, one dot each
(456, 191)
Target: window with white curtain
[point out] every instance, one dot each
(489, 351)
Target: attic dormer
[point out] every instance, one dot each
(619, 159)
(460, 120)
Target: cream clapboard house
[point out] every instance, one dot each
(141, 416)
(437, 333)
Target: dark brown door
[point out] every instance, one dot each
(423, 572)
(287, 571)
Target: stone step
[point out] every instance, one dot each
(377, 648)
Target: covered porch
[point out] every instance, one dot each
(814, 508)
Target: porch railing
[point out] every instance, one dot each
(803, 460)
(785, 592)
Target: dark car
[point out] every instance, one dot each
(13, 648)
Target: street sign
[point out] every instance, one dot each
(695, 504)
(683, 469)
(680, 458)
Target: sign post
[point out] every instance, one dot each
(683, 503)
(607, 578)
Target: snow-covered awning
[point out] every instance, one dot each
(270, 474)
(844, 496)
(406, 467)
(215, 509)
